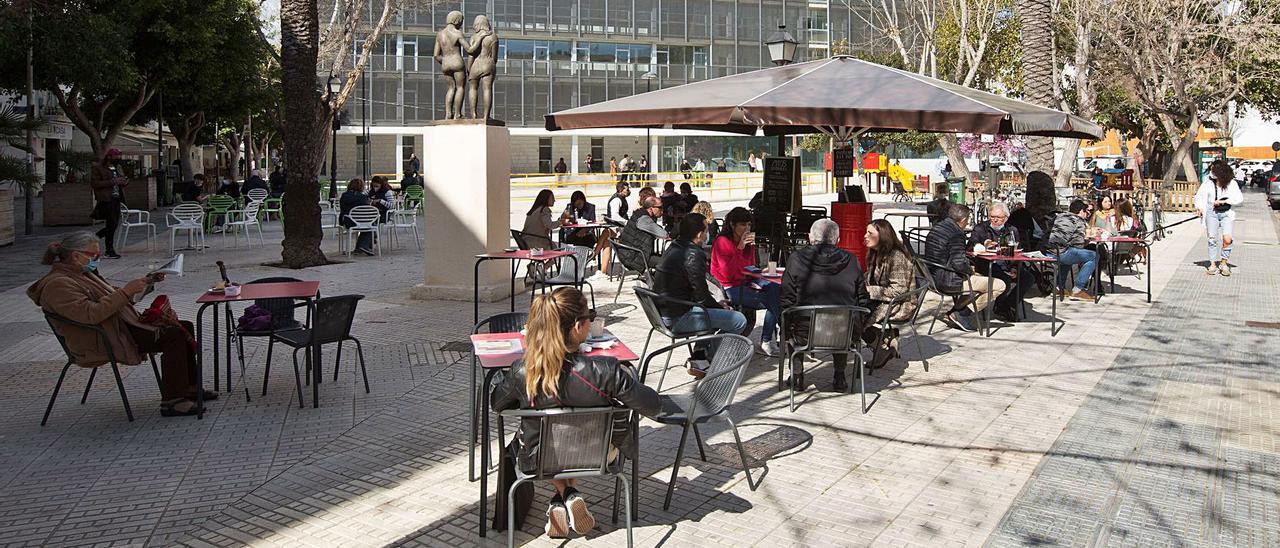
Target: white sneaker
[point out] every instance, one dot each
(770, 348)
(1224, 268)
(1212, 269)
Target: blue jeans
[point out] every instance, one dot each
(704, 319)
(1073, 256)
(766, 299)
(1217, 225)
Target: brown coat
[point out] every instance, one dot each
(101, 180)
(87, 298)
(887, 284)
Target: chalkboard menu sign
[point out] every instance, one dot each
(842, 160)
(782, 183)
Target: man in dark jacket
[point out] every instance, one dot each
(945, 246)
(682, 275)
(822, 274)
(937, 209)
(255, 181)
(642, 232)
(276, 180)
(1067, 239)
(988, 233)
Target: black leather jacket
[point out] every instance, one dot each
(584, 382)
(945, 245)
(682, 274)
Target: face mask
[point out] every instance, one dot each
(92, 266)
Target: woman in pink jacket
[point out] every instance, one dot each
(733, 250)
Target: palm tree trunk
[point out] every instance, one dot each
(305, 126)
(1037, 69)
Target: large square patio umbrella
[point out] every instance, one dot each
(840, 96)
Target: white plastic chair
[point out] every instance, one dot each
(244, 218)
(188, 217)
(406, 219)
(365, 218)
(258, 195)
(329, 220)
(136, 217)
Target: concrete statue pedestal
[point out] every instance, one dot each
(467, 176)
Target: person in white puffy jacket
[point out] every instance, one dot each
(1215, 202)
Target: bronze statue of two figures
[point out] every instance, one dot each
(451, 51)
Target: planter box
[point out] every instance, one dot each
(141, 193)
(67, 204)
(6, 216)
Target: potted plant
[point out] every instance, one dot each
(70, 201)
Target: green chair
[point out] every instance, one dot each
(273, 205)
(414, 198)
(219, 205)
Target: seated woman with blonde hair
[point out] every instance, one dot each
(554, 374)
(73, 289)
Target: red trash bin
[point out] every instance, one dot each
(853, 219)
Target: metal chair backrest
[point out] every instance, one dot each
(506, 322)
(333, 317)
(520, 240)
(221, 203)
(189, 214)
(52, 318)
(365, 217)
(258, 195)
(832, 328)
(627, 254)
(649, 303)
(572, 440)
(251, 212)
(281, 309)
(413, 193)
(714, 392)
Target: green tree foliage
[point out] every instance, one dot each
(105, 59)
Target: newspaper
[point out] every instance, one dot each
(171, 268)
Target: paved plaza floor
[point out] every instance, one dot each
(1137, 425)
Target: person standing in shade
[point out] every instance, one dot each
(561, 168)
(415, 165)
(751, 163)
(108, 182)
(590, 163)
(1215, 201)
(277, 182)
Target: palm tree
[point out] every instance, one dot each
(1036, 17)
(14, 170)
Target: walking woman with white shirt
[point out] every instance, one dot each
(1214, 203)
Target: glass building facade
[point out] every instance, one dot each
(559, 54)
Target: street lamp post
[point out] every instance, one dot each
(782, 50)
(335, 87)
(648, 146)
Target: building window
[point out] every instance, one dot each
(544, 155)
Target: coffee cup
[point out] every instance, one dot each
(232, 290)
(597, 328)
(772, 268)
(535, 252)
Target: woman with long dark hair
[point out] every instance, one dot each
(1215, 201)
(889, 276)
(733, 250)
(539, 222)
(554, 374)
